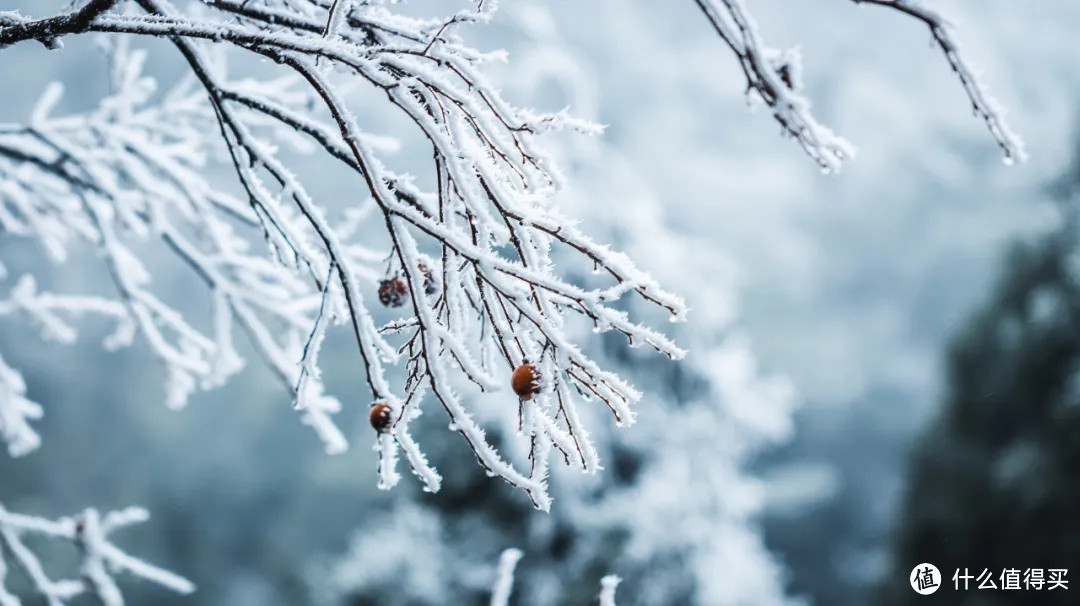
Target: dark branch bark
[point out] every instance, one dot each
(48, 30)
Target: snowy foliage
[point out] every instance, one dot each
(481, 271)
(381, 560)
(99, 559)
(133, 170)
(483, 228)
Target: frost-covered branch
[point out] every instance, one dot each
(773, 77)
(985, 107)
(100, 560)
(469, 259)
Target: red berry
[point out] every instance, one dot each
(381, 417)
(525, 381)
(393, 292)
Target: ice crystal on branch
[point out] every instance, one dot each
(470, 253)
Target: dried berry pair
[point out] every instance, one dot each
(394, 292)
(525, 382)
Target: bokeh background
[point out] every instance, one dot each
(882, 368)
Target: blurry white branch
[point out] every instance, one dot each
(470, 257)
(100, 560)
(608, 585)
(16, 412)
(504, 577)
(772, 77)
(503, 587)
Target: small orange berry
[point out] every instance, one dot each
(525, 381)
(380, 417)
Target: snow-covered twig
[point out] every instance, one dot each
(100, 559)
(983, 105)
(767, 80)
(772, 77)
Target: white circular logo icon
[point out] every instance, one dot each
(925, 579)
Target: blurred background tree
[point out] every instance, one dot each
(992, 482)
